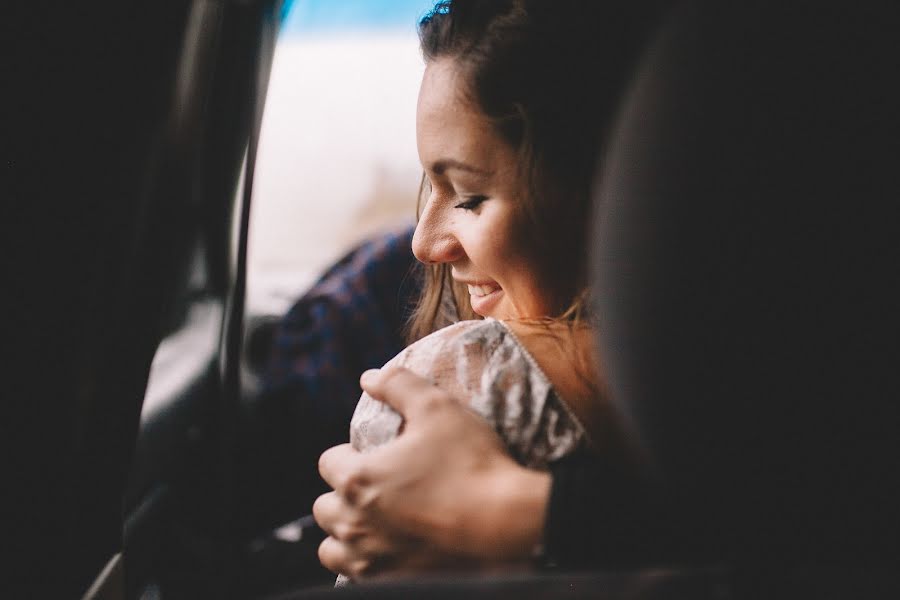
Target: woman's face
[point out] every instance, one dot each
(473, 219)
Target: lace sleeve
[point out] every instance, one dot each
(483, 364)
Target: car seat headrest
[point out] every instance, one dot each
(745, 269)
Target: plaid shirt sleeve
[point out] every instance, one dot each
(349, 321)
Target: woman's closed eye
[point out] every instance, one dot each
(471, 202)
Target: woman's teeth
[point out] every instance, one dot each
(482, 290)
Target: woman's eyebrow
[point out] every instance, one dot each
(439, 166)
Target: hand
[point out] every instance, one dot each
(444, 494)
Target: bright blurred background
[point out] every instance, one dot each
(337, 158)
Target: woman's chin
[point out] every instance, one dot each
(486, 305)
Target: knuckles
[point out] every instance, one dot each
(352, 485)
(360, 568)
(329, 511)
(338, 557)
(323, 462)
(433, 399)
(328, 555)
(349, 531)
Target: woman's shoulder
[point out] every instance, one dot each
(567, 355)
(553, 351)
(484, 364)
(466, 345)
(464, 331)
(456, 358)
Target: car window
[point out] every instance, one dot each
(337, 158)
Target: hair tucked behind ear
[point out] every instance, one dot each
(548, 75)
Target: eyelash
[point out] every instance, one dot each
(471, 203)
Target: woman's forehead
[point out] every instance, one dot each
(450, 127)
(444, 90)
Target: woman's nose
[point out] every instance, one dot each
(434, 240)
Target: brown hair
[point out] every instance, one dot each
(547, 75)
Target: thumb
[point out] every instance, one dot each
(402, 390)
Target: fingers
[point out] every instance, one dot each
(340, 467)
(402, 390)
(347, 549)
(351, 548)
(341, 519)
(397, 558)
(335, 556)
(349, 559)
(327, 510)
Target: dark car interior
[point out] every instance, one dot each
(746, 266)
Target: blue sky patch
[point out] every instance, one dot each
(340, 16)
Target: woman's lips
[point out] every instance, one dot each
(483, 289)
(484, 297)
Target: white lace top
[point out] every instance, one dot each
(482, 362)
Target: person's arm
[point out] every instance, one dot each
(444, 493)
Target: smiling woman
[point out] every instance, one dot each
(473, 219)
(522, 119)
(502, 227)
(507, 127)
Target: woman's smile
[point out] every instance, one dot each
(484, 297)
(473, 219)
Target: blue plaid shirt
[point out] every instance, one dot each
(349, 321)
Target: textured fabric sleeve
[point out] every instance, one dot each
(482, 364)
